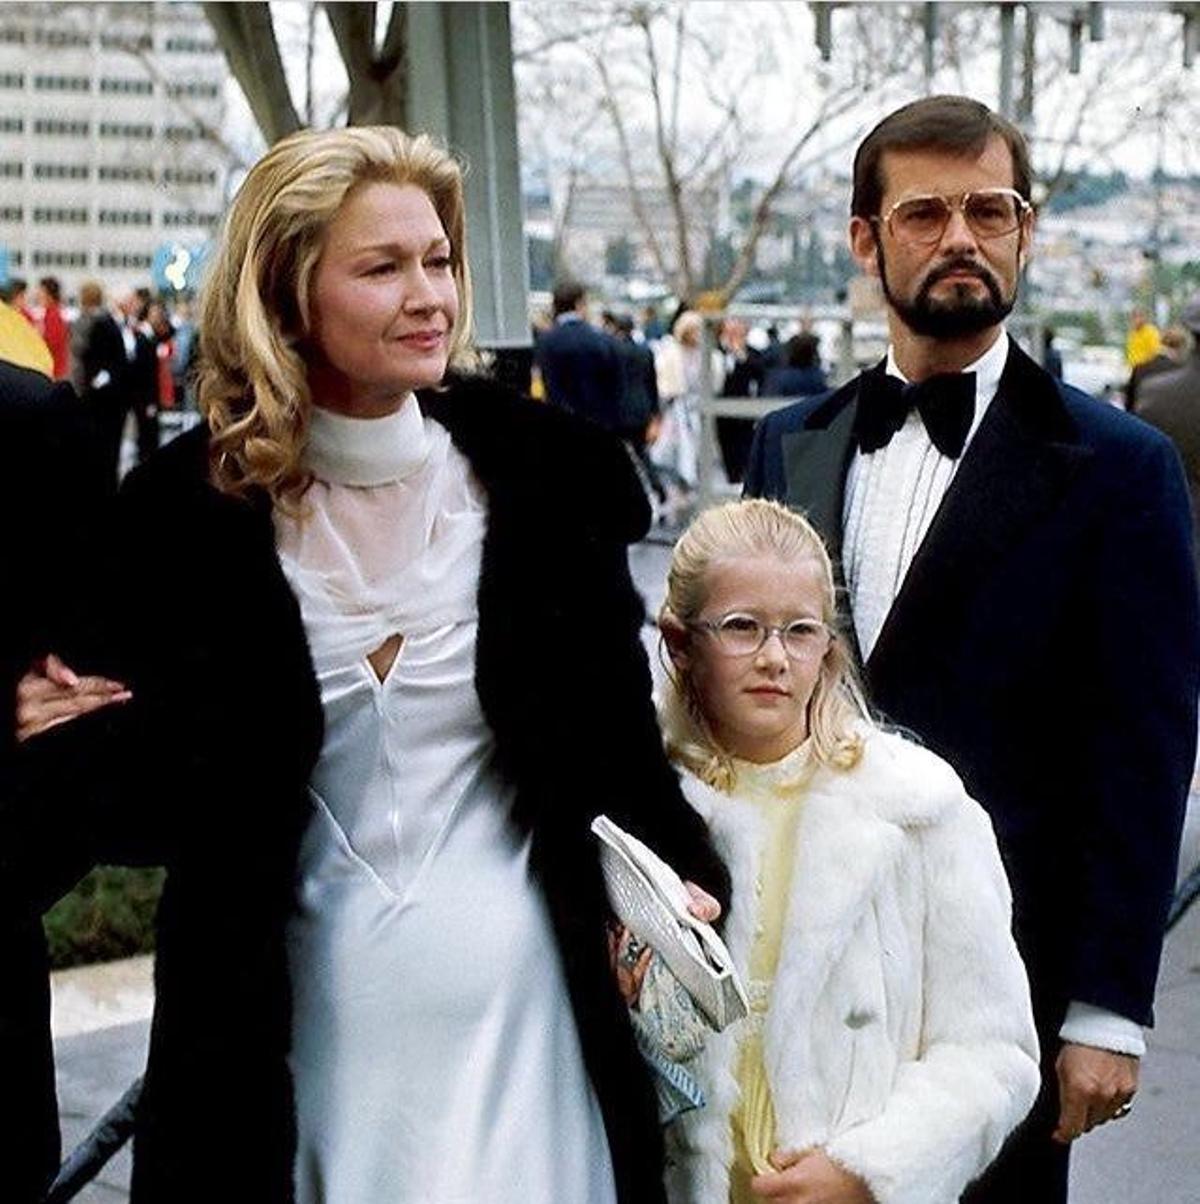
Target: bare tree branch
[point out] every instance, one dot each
(626, 156)
(564, 38)
(666, 158)
(832, 107)
(136, 50)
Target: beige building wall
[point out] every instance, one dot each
(101, 156)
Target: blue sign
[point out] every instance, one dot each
(3, 264)
(177, 268)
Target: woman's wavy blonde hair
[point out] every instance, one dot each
(754, 528)
(254, 310)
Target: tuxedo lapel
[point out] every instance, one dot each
(816, 459)
(1014, 472)
(815, 462)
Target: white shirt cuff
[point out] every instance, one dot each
(1087, 1024)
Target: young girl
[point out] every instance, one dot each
(890, 1046)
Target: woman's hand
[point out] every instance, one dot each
(52, 693)
(703, 906)
(629, 959)
(810, 1177)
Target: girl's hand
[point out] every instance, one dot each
(703, 906)
(52, 693)
(810, 1177)
(629, 959)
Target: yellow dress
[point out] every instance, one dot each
(777, 792)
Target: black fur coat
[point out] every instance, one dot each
(206, 770)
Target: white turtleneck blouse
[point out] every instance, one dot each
(434, 1050)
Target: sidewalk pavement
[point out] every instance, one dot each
(101, 1027)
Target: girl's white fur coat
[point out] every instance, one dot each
(899, 1037)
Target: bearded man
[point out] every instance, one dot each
(1016, 557)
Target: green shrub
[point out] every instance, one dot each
(109, 914)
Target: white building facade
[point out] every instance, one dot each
(105, 152)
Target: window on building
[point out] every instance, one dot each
(125, 217)
(127, 87)
(12, 170)
(12, 79)
(60, 259)
(177, 45)
(61, 171)
(189, 217)
(126, 41)
(193, 89)
(12, 125)
(52, 126)
(12, 213)
(141, 175)
(123, 259)
(14, 37)
(61, 83)
(176, 175)
(124, 129)
(180, 133)
(61, 37)
(52, 215)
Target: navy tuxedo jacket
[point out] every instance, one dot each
(1046, 642)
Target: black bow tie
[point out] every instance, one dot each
(946, 403)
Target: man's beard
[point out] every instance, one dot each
(964, 312)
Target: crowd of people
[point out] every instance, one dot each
(132, 357)
(923, 749)
(645, 383)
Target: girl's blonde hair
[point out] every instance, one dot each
(837, 708)
(254, 311)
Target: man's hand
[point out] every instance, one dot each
(810, 1177)
(1094, 1085)
(52, 693)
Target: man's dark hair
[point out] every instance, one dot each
(566, 296)
(955, 124)
(52, 287)
(17, 285)
(802, 350)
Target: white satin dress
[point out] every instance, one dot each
(434, 1050)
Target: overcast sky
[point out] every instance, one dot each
(1119, 90)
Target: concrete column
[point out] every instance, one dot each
(460, 80)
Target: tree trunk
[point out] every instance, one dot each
(247, 38)
(378, 78)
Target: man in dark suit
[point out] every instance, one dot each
(51, 480)
(98, 369)
(139, 382)
(580, 365)
(1017, 562)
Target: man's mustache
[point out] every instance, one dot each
(956, 267)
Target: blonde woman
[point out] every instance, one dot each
(382, 969)
(890, 1047)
